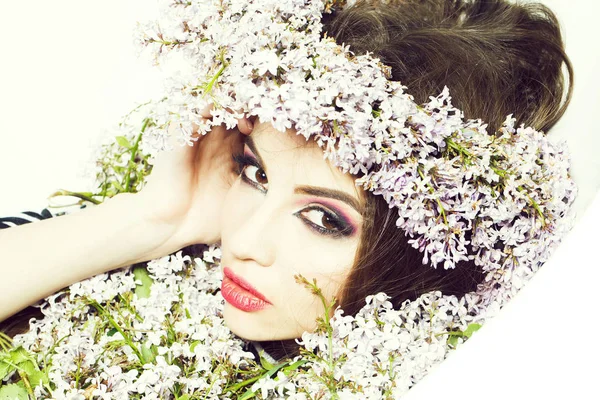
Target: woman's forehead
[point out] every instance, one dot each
(270, 139)
(304, 159)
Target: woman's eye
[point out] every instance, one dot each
(255, 174)
(319, 217)
(326, 223)
(249, 169)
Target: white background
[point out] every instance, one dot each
(68, 72)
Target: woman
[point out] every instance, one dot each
(494, 49)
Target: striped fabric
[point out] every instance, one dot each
(24, 217)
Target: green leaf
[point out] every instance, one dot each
(148, 354)
(111, 332)
(171, 336)
(141, 273)
(248, 395)
(193, 345)
(294, 366)
(453, 340)
(122, 141)
(118, 186)
(471, 329)
(38, 377)
(185, 397)
(265, 364)
(5, 369)
(19, 354)
(27, 366)
(13, 392)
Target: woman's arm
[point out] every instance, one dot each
(39, 258)
(180, 205)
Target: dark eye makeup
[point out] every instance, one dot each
(339, 226)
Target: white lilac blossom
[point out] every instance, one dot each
(497, 199)
(156, 331)
(172, 342)
(116, 343)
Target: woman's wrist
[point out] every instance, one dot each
(151, 236)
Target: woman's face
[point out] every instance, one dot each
(289, 212)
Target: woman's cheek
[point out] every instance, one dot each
(308, 307)
(233, 206)
(302, 314)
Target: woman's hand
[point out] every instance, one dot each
(185, 191)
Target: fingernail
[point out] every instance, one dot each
(249, 124)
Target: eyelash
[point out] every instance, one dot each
(342, 228)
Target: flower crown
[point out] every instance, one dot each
(461, 193)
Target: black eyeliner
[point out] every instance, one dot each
(242, 160)
(343, 229)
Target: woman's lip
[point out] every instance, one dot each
(244, 284)
(240, 298)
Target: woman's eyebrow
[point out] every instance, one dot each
(330, 193)
(312, 190)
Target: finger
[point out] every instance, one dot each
(206, 110)
(204, 113)
(245, 126)
(195, 128)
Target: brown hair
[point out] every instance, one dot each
(497, 58)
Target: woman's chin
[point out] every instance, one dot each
(244, 324)
(259, 326)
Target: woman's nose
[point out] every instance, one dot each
(255, 236)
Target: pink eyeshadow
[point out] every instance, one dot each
(332, 207)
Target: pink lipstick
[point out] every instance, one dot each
(240, 294)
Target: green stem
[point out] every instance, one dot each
(26, 382)
(115, 325)
(23, 375)
(167, 43)
(534, 204)
(5, 341)
(240, 385)
(46, 364)
(128, 306)
(453, 145)
(450, 333)
(319, 293)
(134, 150)
(210, 84)
(442, 211)
(329, 331)
(439, 202)
(77, 373)
(135, 109)
(79, 195)
(217, 372)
